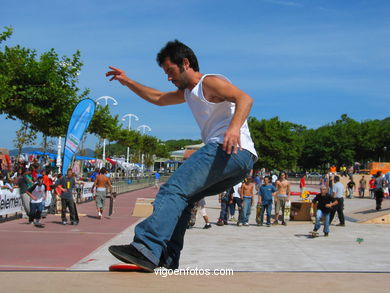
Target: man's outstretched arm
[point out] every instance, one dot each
(149, 94)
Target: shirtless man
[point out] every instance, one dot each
(101, 183)
(282, 195)
(246, 192)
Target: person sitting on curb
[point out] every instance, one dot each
(325, 202)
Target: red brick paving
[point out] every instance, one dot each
(58, 247)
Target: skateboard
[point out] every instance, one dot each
(111, 208)
(76, 212)
(125, 267)
(287, 210)
(39, 225)
(314, 234)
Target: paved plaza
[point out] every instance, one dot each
(353, 259)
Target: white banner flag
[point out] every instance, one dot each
(87, 190)
(10, 202)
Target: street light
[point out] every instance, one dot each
(59, 162)
(124, 119)
(144, 128)
(114, 103)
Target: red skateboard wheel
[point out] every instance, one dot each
(125, 267)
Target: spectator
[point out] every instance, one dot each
(372, 187)
(338, 194)
(247, 194)
(351, 186)
(67, 184)
(224, 199)
(302, 183)
(267, 192)
(282, 196)
(362, 186)
(379, 194)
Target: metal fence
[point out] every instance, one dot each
(309, 180)
(122, 186)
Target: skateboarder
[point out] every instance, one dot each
(221, 110)
(37, 193)
(324, 207)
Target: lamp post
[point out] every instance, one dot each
(59, 162)
(143, 128)
(114, 103)
(124, 119)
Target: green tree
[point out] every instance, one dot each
(24, 136)
(174, 145)
(39, 90)
(279, 144)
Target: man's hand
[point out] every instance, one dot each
(117, 74)
(232, 139)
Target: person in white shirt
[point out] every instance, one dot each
(236, 201)
(338, 194)
(221, 110)
(37, 193)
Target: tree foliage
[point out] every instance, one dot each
(42, 92)
(39, 90)
(24, 136)
(279, 144)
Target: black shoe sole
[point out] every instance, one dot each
(128, 258)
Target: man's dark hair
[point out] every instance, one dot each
(336, 178)
(177, 51)
(103, 171)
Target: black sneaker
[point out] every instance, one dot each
(340, 225)
(64, 222)
(207, 226)
(74, 223)
(326, 234)
(129, 254)
(220, 223)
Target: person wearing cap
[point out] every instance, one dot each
(37, 193)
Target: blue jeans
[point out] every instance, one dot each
(319, 215)
(36, 209)
(223, 216)
(247, 209)
(209, 171)
(266, 207)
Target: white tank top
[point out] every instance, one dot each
(214, 118)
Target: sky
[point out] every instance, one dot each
(305, 61)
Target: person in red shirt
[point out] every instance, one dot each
(302, 183)
(48, 203)
(372, 187)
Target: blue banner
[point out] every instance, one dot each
(78, 123)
